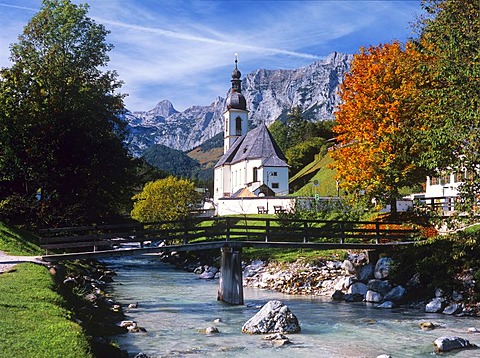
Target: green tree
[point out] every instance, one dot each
(165, 199)
(303, 153)
(449, 33)
(61, 136)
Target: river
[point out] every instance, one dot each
(174, 306)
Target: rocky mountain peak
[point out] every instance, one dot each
(270, 95)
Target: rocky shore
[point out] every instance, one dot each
(356, 279)
(83, 285)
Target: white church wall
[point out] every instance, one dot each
(276, 178)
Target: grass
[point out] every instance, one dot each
(18, 242)
(34, 320)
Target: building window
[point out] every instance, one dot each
(445, 178)
(275, 186)
(255, 174)
(273, 174)
(238, 126)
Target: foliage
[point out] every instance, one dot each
(296, 129)
(34, 321)
(377, 122)
(333, 209)
(447, 262)
(449, 34)
(304, 152)
(60, 132)
(171, 160)
(165, 199)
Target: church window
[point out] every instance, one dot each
(238, 126)
(255, 174)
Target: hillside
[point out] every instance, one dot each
(171, 160)
(318, 171)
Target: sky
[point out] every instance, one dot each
(184, 50)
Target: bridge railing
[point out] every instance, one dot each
(196, 230)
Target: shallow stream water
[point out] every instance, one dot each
(174, 306)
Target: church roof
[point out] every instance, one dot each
(256, 144)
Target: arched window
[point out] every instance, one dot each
(238, 125)
(255, 174)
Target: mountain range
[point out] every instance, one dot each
(270, 96)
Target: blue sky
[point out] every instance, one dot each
(184, 50)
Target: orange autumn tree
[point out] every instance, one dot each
(378, 122)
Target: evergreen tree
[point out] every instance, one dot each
(61, 136)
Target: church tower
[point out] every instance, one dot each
(236, 116)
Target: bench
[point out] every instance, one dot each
(279, 209)
(262, 210)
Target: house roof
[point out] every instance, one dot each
(256, 144)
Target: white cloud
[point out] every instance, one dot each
(183, 50)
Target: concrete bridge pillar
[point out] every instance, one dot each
(230, 288)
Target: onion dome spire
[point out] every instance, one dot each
(235, 99)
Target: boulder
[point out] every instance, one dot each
(436, 305)
(382, 268)
(343, 283)
(273, 317)
(446, 344)
(427, 326)
(473, 330)
(358, 288)
(395, 294)
(348, 267)
(338, 295)
(386, 305)
(252, 269)
(207, 275)
(372, 296)
(211, 330)
(365, 272)
(277, 339)
(453, 308)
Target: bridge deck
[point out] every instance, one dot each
(220, 244)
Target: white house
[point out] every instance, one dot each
(252, 165)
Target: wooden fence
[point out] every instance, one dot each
(195, 230)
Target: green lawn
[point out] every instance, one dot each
(34, 321)
(18, 242)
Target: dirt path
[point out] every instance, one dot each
(8, 261)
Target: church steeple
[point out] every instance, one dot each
(235, 98)
(236, 115)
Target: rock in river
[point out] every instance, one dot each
(445, 344)
(273, 317)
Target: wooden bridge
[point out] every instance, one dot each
(229, 234)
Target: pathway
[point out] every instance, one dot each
(8, 261)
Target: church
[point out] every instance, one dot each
(252, 165)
